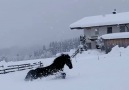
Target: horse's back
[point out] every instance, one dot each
(42, 72)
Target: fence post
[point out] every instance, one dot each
(4, 71)
(40, 64)
(120, 53)
(2, 66)
(18, 67)
(30, 66)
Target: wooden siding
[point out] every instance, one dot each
(110, 43)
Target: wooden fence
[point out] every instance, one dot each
(1, 66)
(14, 68)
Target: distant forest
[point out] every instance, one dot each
(45, 51)
(57, 47)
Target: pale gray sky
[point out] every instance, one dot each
(29, 22)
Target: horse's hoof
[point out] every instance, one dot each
(63, 75)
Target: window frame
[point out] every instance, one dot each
(109, 30)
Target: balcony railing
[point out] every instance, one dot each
(93, 38)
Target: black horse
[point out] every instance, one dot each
(55, 67)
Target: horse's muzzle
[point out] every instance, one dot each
(71, 67)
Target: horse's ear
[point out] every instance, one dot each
(62, 54)
(67, 55)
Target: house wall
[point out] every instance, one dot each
(93, 45)
(101, 31)
(89, 32)
(110, 43)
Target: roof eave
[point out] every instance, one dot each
(97, 26)
(78, 28)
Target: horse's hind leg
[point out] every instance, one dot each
(30, 75)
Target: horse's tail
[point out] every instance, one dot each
(31, 75)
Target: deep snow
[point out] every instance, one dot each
(92, 70)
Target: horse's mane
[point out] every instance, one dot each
(61, 59)
(58, 59)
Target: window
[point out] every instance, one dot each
(96, 32)
(109, 29)
(122, 28)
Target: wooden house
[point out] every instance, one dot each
(95, 26)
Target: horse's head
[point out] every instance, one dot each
(67, 60)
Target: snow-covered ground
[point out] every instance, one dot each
(92, 70)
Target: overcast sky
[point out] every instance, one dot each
(30, 22)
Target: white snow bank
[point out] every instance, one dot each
(116, 35)
(119, 51)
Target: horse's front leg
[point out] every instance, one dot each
(61, 74)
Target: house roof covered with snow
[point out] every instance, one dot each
(116, 35)
(102, 20)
